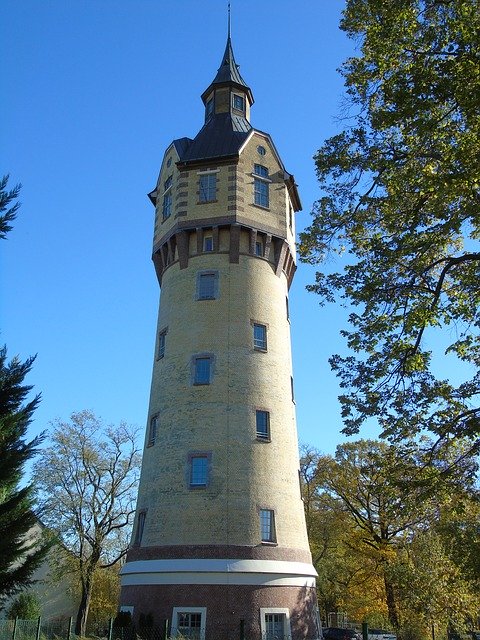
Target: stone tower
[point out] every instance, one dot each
(220, 547)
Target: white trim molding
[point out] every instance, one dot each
(215, 571)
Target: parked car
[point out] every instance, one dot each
(338, 633)
(381, 634)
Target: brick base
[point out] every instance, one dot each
(233, 611)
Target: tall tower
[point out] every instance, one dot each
(220, 546)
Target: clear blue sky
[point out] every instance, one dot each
(93, 92)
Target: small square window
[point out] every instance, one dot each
(207, 285)
(203, 370)
(208, 187)
(198, 470)
(162, 339)
(208, 243)
(267, 525)
(152, 430)
(238, 102)
(262, 423)
(260, 337)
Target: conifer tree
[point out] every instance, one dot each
(20, 553)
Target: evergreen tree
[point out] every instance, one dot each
(20, 555)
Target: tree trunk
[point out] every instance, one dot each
(82, 614)
(391, 604)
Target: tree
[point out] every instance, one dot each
(402, 203)
(25, 606)
(386, 496)
(20, 554)
(87, 480)
(7, 213)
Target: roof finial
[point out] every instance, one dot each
(229, 20)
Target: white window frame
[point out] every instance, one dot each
(260, 435)
(274, 610)
(203, 619)
(272, 539)
(257, 345)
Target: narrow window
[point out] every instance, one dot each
(267, 525)
(152, 431)
(288, 310)
(167, 198)
(261, 185)
(260, 337)
(162, 338)
(262, 421)
(209, 109)
(198, 470)
(207, 285)
(291, 385)
(208, 243)
(290, 217)
(208, 187)
(239, 102)
(140, 526)
(259, 251)
(203, 370)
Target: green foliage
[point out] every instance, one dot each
(25, 607)
(386, 529)
(401, 209)
(7, 213)
(20, 552)
(87, 480)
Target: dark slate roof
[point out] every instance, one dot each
(222, 136)
(181, 145)
(229, 70)
(229, 73)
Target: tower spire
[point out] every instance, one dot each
(229, 21)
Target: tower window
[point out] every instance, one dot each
(239, 103)
(198, 470)
(152, 431)
(267, 525)
(142, 515)
(162, 339)
(275, 623)
(262, 422)
(189, 622)
(202, 370)
(261, 150)
(167, 198)
(259, 250)
(207, 285)
(259, 337)
(261, 185)
(209, 109)
(208, 243)
(208, 187)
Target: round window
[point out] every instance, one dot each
(169, 162)
(261, 150)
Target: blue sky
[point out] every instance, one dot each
(93, 92)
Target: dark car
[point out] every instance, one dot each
(338, 633)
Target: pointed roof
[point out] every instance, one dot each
(229, 73)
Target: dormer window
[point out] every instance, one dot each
(239, 102)
(209, 109)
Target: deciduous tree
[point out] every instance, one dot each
(401, 204)
(87, 480)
